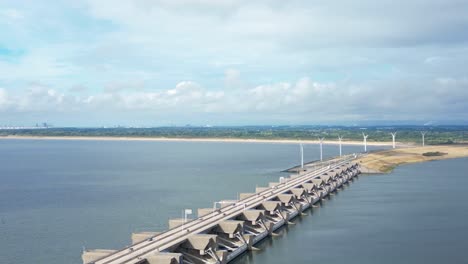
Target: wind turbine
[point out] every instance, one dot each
(365, 141)
(340, 138)
(393, 138)
(302, 155)
(423, 133)
(321, 148)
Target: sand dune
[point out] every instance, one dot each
(385, 161)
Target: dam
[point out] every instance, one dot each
(219, 235)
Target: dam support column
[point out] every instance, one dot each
(202, 249)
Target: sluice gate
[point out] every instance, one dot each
(218, 235)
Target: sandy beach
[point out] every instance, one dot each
(385, 161)
(274, 141)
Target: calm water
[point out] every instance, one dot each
(417, 214)
(58, 196)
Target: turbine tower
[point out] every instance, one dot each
(393, 138)
(321, 148)
(365, 141)
(423, 133)
(340, 138)
(302, 156)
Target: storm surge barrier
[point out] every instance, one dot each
(219, 235)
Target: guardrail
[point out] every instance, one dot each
(178, 234)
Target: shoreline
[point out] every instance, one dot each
(386, 160)
(226, 140)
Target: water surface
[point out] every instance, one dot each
(417, 214)
(57, 196)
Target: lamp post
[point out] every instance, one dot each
(302, 156)
(321, 148)
(227, 202)
(186, 213)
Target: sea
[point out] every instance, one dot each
(58, 197)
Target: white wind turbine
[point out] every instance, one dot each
(393, 138)
(423, 134)
(365, 141)
(340, 138)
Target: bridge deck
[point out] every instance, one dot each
(136, 253)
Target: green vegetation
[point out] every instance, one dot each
(434, 154)
(408, 134)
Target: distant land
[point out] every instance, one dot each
(405, 134)
(385, 161)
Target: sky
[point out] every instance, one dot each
(233, 62)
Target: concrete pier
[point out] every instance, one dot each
(219, 235)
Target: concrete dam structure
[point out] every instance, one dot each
(219, 235)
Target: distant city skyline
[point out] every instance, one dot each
(209, 62)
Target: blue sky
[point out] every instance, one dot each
(227, 62)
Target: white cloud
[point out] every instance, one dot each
(4, 101)
(41, 64)
(434, 60)
(11, 16)
(367, 60)
(232, 79)
(304, 101)
(297, 23)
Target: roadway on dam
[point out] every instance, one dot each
(136, 253)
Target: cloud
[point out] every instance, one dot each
(434, 60)
(253, 61)
(11, 15)
(39, 98)
(296, 23)
(120, 86)
(36, 65)
(78, 88)
(305, 101)
(232, 79)
(3, 99)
